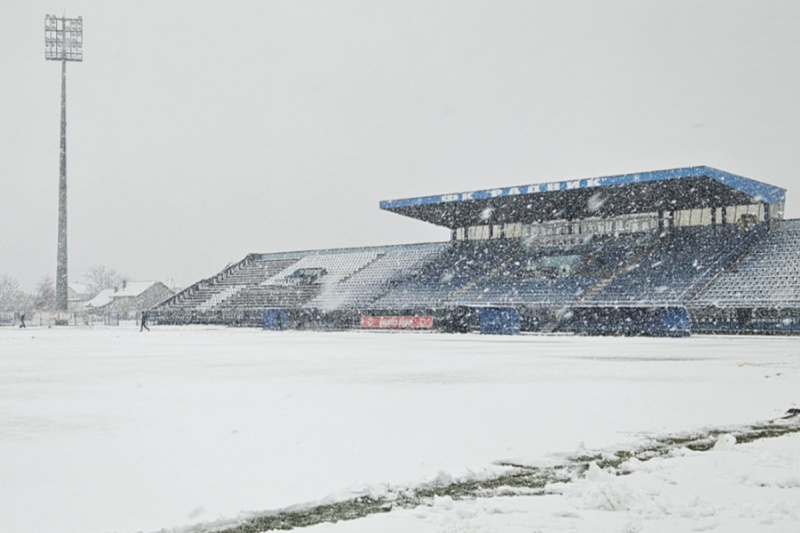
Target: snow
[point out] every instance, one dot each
(131, 288)
(106, 429)
(79, 288)
(102, 298)
(751, 488)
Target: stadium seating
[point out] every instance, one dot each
(390, 266)
(680, 263)
(516, 281)
(436, 283)
(697, 267)
(769, 276)
(331, 279)
(333, 267)
(209, 294)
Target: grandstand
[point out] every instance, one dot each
(664, 252)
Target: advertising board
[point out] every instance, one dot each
(397, 322)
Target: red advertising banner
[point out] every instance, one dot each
(397, 322)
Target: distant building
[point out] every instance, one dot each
(77, 296)
(129, 299)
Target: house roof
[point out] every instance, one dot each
(131, 290)
(101, 299)
(78, 288)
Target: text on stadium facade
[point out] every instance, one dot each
(761, 192)
(525, 189)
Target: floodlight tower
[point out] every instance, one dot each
(63, 41)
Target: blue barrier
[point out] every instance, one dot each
(499, 320)
(642, 321)
(274, 319)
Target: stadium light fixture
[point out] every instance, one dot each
(63, 41)
(63, 38)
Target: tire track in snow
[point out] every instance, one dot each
(518, 479)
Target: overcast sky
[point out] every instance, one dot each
(201, 131)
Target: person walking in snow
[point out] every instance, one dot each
(144, 322)
(22, 321)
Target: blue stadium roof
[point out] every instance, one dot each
(681, 188)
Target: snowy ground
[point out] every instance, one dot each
(106, 429)
(750, 488)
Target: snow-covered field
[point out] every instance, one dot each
(744, 489)
(106, 429)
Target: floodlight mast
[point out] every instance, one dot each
(63, 41)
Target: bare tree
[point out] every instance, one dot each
(45, 295)
(101, 277)
(12, 298)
